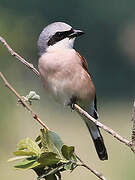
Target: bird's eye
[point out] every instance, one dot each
(59, 34)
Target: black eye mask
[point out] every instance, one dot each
(58, 36)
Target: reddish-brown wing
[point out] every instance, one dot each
(84, 62)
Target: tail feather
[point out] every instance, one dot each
(100, 148)
(94, 130)
(97, 139)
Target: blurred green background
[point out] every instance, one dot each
(108, 46)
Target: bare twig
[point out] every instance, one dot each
(133, 129)
(98, 174)
(23, 102)
(104, 127)
(13, 53)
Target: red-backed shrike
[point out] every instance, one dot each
(65, 76)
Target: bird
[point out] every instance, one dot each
(65, 76)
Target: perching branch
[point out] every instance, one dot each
(98, 174)
(23, 102)
(13, 53)
(79, 109)
(104, 127)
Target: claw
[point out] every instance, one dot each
(72, 102)
(72, 106)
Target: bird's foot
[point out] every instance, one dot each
(72, 106)
(72, 102)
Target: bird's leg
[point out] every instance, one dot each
(72, 102)
(72, 106)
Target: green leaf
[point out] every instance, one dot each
(45, 140)
(27, 164)
(17, 158)
(48, 159)
(27, 147)
(38, 139)
(55, 138)
(74, 158)
(68, 166)
(36, 164)
(67, 151)
(24, 153)
(22, 145)
(51, 142)
(33, 146)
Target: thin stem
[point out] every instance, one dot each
(104, 127)
(98, 174)
(23, 102)
(13, 53)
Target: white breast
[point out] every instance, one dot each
(64, 77)
(57, 74)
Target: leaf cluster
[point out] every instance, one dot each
(47, 155)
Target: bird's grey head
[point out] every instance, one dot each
(57, 34)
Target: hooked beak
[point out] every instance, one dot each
(76, 33)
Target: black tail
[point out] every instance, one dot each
(98, 140)
(100, 148)
(95, 132)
